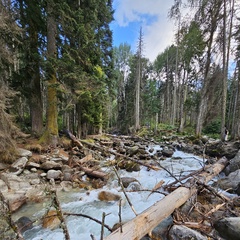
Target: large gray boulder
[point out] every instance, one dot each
(184, 233)
(234, 164)
(228, 228)
(230, 182)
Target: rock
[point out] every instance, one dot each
(230, 182)
(24, 224)
(160, 232)
(134, 186)
(33, 165)
(51, 220)
(129, 166)
(54, 174)
(14, 182)
(18, 166)
(108, 196)
(51, 165)
(167, 152)
(15, 200)
(228, 228)
(24, 153)
(3, 186)
(127, 180)
(234, 164)
(218, 148)
(184, 233)
(132, 150)
(36, 194)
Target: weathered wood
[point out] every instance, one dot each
(146, 221)
(94, 173)
(151, 217)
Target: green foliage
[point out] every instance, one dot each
(213, 128)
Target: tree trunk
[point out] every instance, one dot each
(51, 133)
(36, 107)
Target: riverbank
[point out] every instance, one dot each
(62, 168)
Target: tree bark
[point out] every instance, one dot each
(51, 133)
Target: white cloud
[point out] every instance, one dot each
(158, 34)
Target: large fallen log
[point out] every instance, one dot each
(151, 217)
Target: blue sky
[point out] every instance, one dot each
(158, 30)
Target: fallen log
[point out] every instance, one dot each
(151, 217)
(93, 173)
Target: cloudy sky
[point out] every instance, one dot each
(152, 15)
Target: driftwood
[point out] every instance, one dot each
(93, 173)
(151, 217)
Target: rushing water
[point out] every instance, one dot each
(86, 202)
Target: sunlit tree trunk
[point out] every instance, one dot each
(52, 113)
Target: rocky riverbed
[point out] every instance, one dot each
(69, 168)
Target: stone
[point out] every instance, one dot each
(132, 150)
(3, 186)
(228, 228)
(167, 152)
(134, 186)
(15, 182)
(15, 200)
(54, 174)
(184, 233)
(51, 165)
(127, 180)
(24, 153)
(234, 164)
(24, 224)
(108, 196)
(161, 231)
(51, 220)
(230, 182)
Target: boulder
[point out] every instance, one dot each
(228, 228)
(18, 166)
(14, 182)
(108, 196)
(24, 153)
(54, 174)
(230, 182)
(218, 148)
(184, 233)
(15, 200)
(132, 150)
(24, 224)
(167, 152)
(127, 180)
(51, 220)
(51, 165)
(234, 164)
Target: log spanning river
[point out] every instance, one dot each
(87, 202)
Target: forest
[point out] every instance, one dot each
(60, 70)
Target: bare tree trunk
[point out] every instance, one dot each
(51, 134)
(138, 83)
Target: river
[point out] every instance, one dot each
(86, 202)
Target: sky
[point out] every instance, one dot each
(152, 15)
